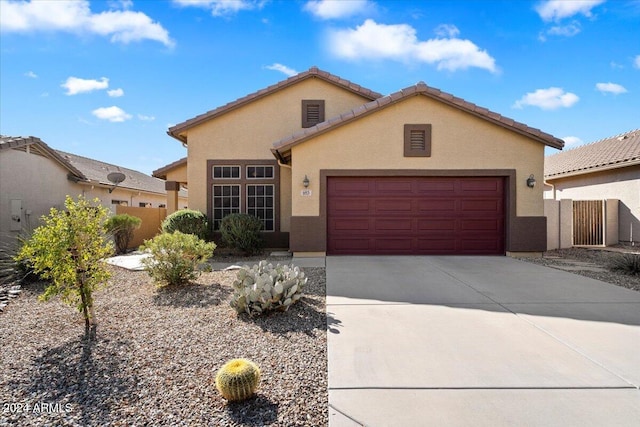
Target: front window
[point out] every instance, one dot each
(226, 200)
(259, 172)
(226, 172)
(260, 204)
(243, 186)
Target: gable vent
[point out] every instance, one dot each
(313, 113)
(418, 140)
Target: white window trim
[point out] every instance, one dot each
(273, 208)
(213, 173)
(246, 171)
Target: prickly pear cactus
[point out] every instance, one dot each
(238, 379)
(265, 287)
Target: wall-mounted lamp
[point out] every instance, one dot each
(305, 181)
(531, 181)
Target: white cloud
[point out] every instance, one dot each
(120, 4)
(75, 85)
(614, 88)
(636, 62)
(282, 68)
(555, 10)
(115, 93)
(146, 118)
(572, 141)
(400, 43)
(331, 9)
(447, 30)
(222, 7)
(122, 26)
(112, 114)
(568, 30)
(548, 99)
(31, 75)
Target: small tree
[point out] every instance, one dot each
(121, 227)
(68, 249)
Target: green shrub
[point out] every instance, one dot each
(264, 287)
(175, 257)
(186, 221)
(242, 231)
(69, 249)
(626, 263)
(121, 227)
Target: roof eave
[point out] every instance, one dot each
(603, 168)
(394, 98)
(240, 102)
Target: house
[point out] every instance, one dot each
(34, 178)
(605, 169)
(331, 167)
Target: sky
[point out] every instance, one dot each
(106, 79)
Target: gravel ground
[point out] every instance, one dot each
(598, 257)
(156, 354)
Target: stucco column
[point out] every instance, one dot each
(172, 188)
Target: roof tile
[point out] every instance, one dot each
(623, 149)
(311, 72)
(447, 98)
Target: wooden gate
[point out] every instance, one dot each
(588, 223)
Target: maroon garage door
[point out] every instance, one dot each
(415, 215)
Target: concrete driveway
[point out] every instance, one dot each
(482, 341)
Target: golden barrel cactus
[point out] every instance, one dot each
(238, 379)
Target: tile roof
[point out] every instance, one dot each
(162, 172)
(419, 89)
(97, 171)
(17, 142)
(609, 153)
(88, 170)
(313, 72)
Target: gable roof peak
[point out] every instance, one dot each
(423, 89)
(313, 72)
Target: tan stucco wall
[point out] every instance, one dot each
(41, 183)
(622, 184)
(459, 141)
(178, 174)
(250, 131)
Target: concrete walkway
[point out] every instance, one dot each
(133, 261)
(482, 341)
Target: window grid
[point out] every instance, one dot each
(259, 172)
(226, 200)
(260, 203)
(226, 172)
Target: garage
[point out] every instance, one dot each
(416, 215)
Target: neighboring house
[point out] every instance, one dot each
(34, 178)
(605, 169)
(332, 167)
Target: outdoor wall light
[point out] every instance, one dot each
(531, 181)
(305, 181)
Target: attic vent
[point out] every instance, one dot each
(417, 140)
(312, 112)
